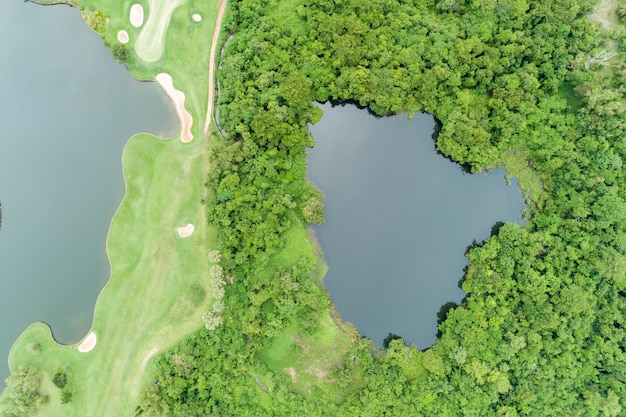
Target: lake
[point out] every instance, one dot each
(67, 109)
(399, 217)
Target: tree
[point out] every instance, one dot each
(609, 209)
(314, 211)
(390, 337)
(120, 53)
(23, 394)
(66, 396)
(60, 379)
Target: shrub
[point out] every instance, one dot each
(60, 379)
(66, 396)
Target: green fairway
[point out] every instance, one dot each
(152, 270)
(151, 301)
(149, 45)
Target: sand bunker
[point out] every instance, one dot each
(122, 36)
(151, 39)
(185, 231)
(136, 15)
(178, 97)
(88, 344)
(196, 17)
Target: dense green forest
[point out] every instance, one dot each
(530, 86)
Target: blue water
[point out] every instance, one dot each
(399, 217)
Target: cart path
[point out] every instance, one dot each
(216, 33)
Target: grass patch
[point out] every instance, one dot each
(298, 246)
(309, 360)
(305, 360)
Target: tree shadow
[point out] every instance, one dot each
(390, 337)
(442, 315)
(351, 102)
(495, 229)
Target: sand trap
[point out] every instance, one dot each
(136, 15)
(185, 231)
(151, 40)
(122, 36)
(88, 344)
(178, 97)
(196, 17)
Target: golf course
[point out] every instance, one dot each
(158, 240)
(217, 304)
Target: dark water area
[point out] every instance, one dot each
(66, 111)
(399, 217)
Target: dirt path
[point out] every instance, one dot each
(216, 33)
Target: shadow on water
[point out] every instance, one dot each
(354, 103)
(496, 228)
(390, 337)
(442, 314)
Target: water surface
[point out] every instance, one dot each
(66, 111)
(399, 218)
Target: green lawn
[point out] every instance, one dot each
(143, 309)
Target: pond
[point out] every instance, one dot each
(399, 217)
(67, 109)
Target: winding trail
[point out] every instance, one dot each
(216, 33)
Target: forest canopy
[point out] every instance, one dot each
(533, 87)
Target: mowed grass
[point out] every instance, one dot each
(144, 309)
(186, 54)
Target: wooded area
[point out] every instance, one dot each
(515, 83)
